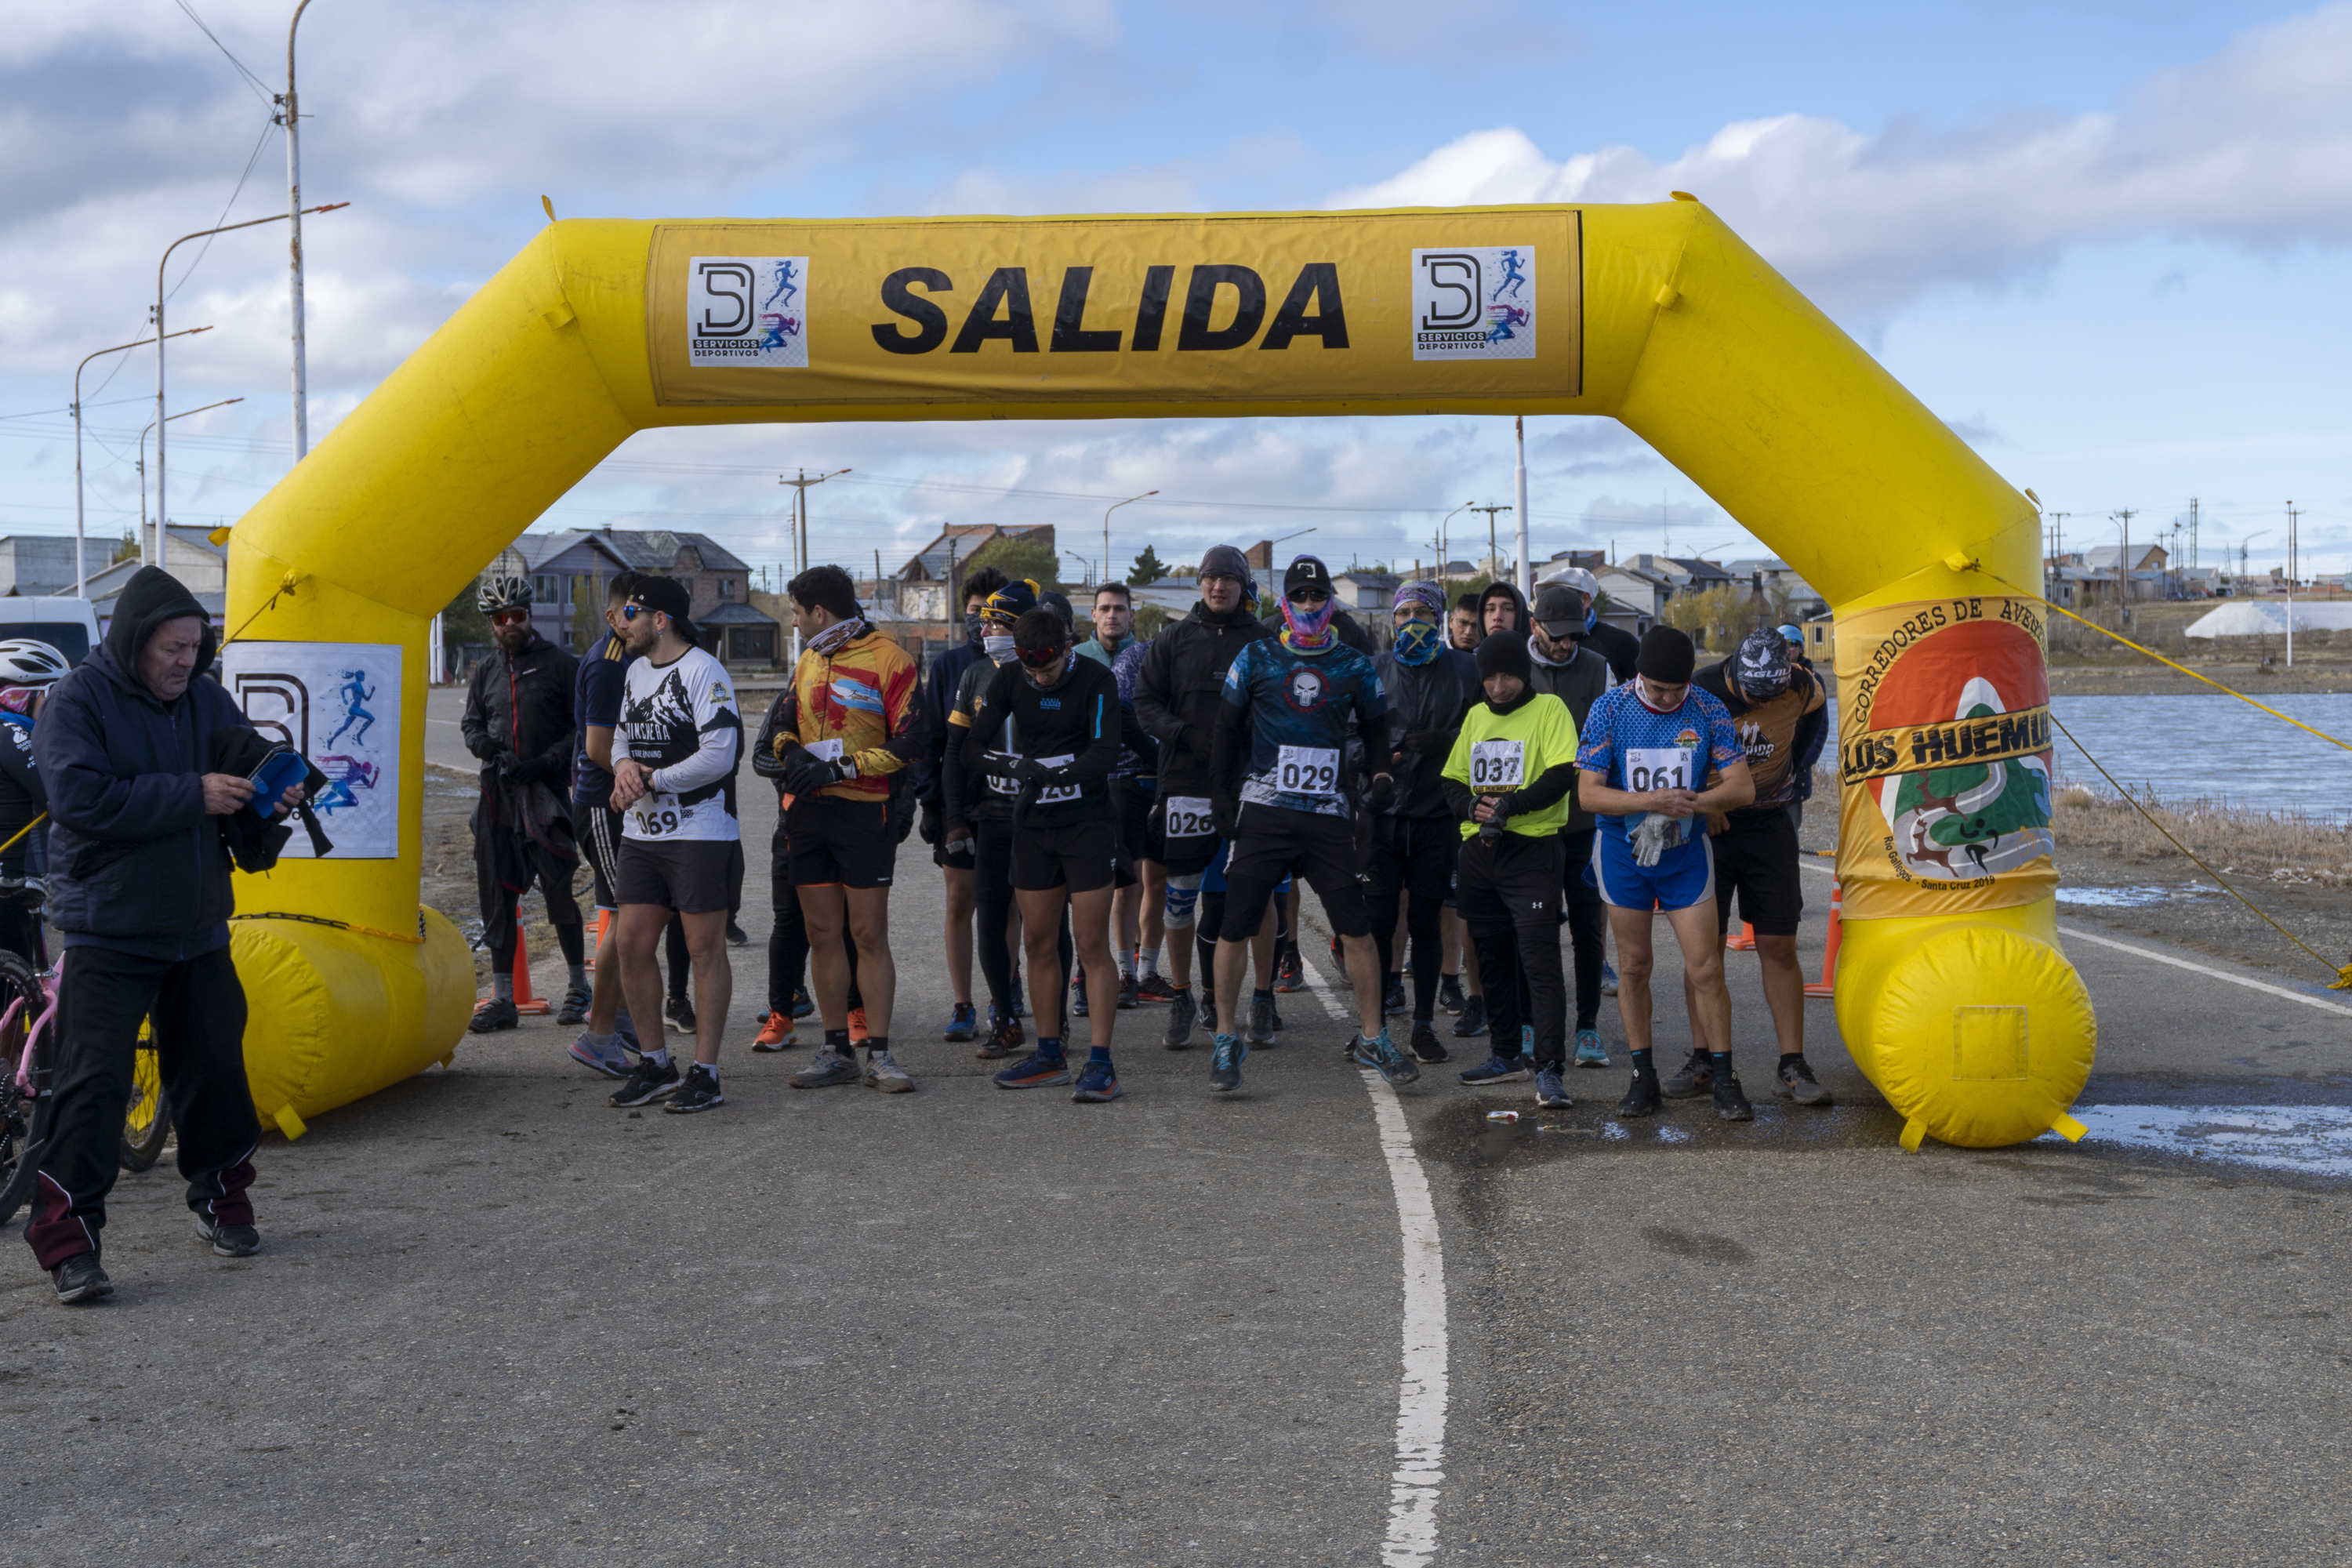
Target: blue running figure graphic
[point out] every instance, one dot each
(1513, 279)
(779, 324)
(342, 773)
(785, 288)
(1505, 318)
(355, 693)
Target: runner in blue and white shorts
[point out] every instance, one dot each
(1657, 755)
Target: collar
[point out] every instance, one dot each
(837, 637)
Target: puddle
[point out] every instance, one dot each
(2310, 1139)
(2127, 898)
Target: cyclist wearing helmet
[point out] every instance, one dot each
(518, 721)
(28, 671)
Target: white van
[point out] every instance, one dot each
(66, 623)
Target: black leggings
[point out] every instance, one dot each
(1588, 926)
(788, 945)
(992, 881)
(1423, 929)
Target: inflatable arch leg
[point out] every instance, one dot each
(1952, 993)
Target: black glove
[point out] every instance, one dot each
(805, 774)
(1428, 742)
(1193, 744)
(1382, 794)
(484, 746)
(528, 769)
(1226, 813)
(1029, 770)
(906, 819)
(1491, 828)
(930, 828)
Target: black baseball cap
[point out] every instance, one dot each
(1307, 572)
(669, 596)
(1559, 610)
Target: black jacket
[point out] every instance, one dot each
(1177, 696)
(134, 861)
(520, 707)
(1426, 703)
(1579, 684)
(939, 683)
(1618, 645)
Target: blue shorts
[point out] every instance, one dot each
(1212, 880)
(1684, 875)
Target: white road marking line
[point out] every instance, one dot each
(1323, 989)
(1421, 1396)
(2078, 933)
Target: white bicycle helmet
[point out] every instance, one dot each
(502, 593)
(23, 662)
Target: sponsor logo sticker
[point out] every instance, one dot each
(1474, 303)
(747, 311)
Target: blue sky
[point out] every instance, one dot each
(2107, 242)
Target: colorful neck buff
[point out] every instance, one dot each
(837, 637)
(1418, 642)
(1310, 631)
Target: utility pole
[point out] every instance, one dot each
(799, 531)
(288, 115)
(1520, 424)
(2122, 561)
(1492, 548)
(2057, 545)
(2195, 560)
(2291, 515)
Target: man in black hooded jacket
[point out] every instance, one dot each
(138, 885)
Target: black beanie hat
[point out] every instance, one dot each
(1666, 656)
(1506, 653)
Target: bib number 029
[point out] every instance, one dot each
(1307, 770)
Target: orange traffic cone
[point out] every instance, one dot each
(1745, 942)
(1827, 984)
(523, 999)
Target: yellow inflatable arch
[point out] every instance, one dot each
(1951, 991)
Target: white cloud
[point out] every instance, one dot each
(2253, 145)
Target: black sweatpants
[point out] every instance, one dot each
(199, 1012)
(991, 886)
(499, 895)
(1508, 894)
(1588, 923)
(1413, 863)
(788, 944)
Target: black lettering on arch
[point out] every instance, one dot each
(1007, 287)
(1317, 285)
(1200, 304)
(929, 319)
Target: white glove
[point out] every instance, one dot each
(1650, 838)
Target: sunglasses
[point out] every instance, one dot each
(631, 612)
(512, 618)
(1039, 657)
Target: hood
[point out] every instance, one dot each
(151, 598)
(1502, 590)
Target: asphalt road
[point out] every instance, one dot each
(499, 1323)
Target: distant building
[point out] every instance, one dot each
(1367, 593)
(572, 575)
(189, 554)
(44, 564)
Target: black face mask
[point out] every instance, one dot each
(971, 627)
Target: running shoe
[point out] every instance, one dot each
(626, 1028)
(1130, 992)
(1473, 1021)
(1640, 1098)
(79, 1279)
(884, 1073)
(574, 1011)
(490, 1016)
(858, 1033)
(1020, 999)
(1794, 1081)
(698, 1092)
(1526, 1039)
(1154, 988)
(963, 1024)
(1392, 1001)
(1497, 1069)
(680, 1011)
(1339, 961)
(1289, 973)
(1608, 979)
(1005, 1038)
(646, 1084)
(1274, 1014)
(1259, 1031)
(775, 1033)
(1425, 1045)
(1590, 1051)
(736, 937)
(1096, 1083)
(829, 1067)
(229, 1240)
(1730, 1103)
(1551, 1094)
(1380, 1054)
(1038, 1070)
(1225, 1066)
(1449, 992)
(1698, 1075)
(1208, 1012)
(802, 1002)
(603, 1058)
(1079, 997)
(1181, 1011)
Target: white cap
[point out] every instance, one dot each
(1575, 577)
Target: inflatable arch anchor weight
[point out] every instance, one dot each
(1952, 991)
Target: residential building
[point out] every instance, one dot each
(570, 575)
(44, 564)
(1366, 593)
(1638, 593)
(189, 554)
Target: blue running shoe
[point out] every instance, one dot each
(1551, 1093)
(963, 1024)
(1037, 1071)
(1380, 1054)
(1225, 1066)
(1526, 1039)
(1608, 979)
(1497, 1069)
(1097, 1082)
(803, 1004)
(1590, 1051)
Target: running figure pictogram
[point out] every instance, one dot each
(355, 694)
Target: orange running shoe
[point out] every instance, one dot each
(775, 1034)
(857, 1034)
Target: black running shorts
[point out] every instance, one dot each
(1513, 881)
(693, 876)
(1271, 843)
(1080, 856)
(1137, 840)
(847, 843)
(1759, 857)
(597, 830)
(1413, 854)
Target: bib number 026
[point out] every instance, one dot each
(1188, 817)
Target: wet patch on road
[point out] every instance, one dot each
(1461, 1136)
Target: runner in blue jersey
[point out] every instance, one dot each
(1657, 754)
(1284, 789)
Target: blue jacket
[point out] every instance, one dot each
(939, 685)
(135, 864)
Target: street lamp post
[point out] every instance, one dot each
(289, 116)
(140, 465)
(1106, 511)
(161, 337)
(82, 564)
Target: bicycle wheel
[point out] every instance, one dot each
(19, 1118)
(147, 1122)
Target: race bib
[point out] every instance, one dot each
(1188, 817)
(653, 821)
(1000, 784)
(1497, 766)
(823, 751)
(1658, 767)
(1307, 770)
(1057, 794)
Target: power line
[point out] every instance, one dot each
(260, 87)
(185, 272)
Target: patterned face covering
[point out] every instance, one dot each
(837, 637)
(1309, 631)
(1418, 642)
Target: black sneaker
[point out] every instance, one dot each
(680, 1012)
(1696, 1078)
(1449, 992)
(497, 1013)
(1641, 1099)
(1007, 1038)
(79, 1279)
(1079, 997)
(646, 1084)
(736, 937)
(1182, 1012)
(1289, 972)
(229, 1240)
(1794, 1081)
(1729, 1102)
(1258, 1033)
(1392, 1000)
(1473, 1021)
(698, 1092)
(1425, 1046)
(574, 1011)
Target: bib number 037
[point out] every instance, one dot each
(1497, 764)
